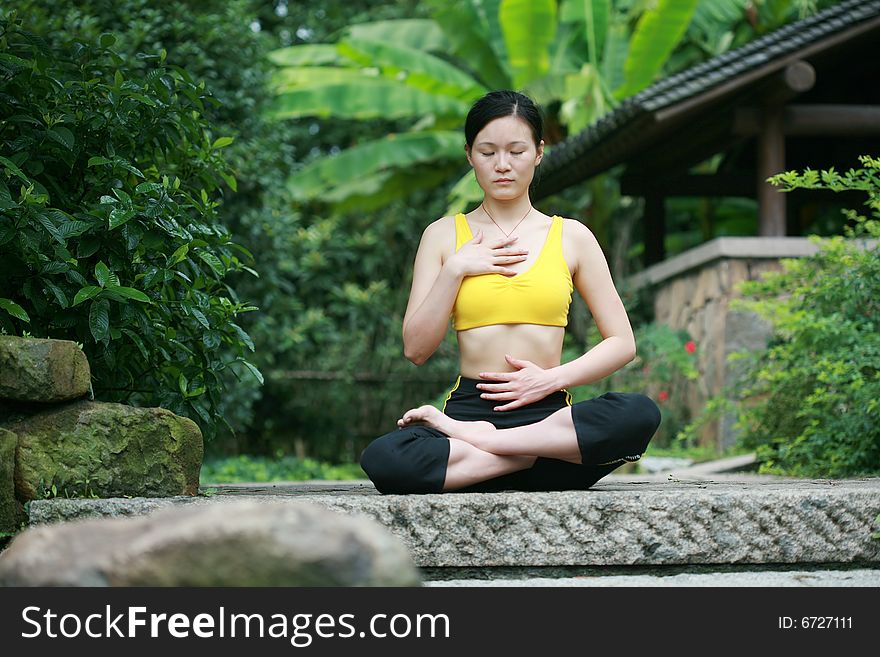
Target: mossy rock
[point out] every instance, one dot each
(42, 370)
(98, 449)
(11, 514)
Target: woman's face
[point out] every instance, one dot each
(504, 157)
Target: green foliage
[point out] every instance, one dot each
(110, 184)
(548, 49)
(237, 469)
(658, 32)
(721, 25)
(79, 489)
(332, 286)
(813, 406)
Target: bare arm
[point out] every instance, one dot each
(436, 282)
(592, 279)
(434, 289)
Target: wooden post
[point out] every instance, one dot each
(771, 160)
(655, 226)
(795, 79)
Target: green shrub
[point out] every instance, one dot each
(243, 468)
(812, 405)
(109, 192)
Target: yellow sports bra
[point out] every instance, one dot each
(539, 295)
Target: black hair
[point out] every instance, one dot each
(498, 104)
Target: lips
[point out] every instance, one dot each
(503, 180)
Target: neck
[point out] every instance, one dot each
(507, 213)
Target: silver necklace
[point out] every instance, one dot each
(506, 234)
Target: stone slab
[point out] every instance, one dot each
(618, 522)
(750, 578)
(723, 247)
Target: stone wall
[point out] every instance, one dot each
(693, 291)
(56, 441)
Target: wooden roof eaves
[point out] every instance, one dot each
(649, 114)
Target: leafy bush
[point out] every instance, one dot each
(109, 193)
(813, 404)
(312, 263)
(237, 469)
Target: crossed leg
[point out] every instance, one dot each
(478, 448)
(470, 465)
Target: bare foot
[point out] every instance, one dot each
(476, 433)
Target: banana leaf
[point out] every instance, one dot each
(353, 165)
(378, 190)
(294, 77)
(414, 68)
(593, 16)
(657, 33)
(318, 54)
(469, 40)
(419, 33)
(529, 28)
(367, 99)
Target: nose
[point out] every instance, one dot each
(501, 163)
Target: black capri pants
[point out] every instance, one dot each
(611, 429)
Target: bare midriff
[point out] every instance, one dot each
(482, 349)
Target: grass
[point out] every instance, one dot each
(261, 469)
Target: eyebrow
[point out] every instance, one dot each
(489, 143)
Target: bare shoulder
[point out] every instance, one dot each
(441, 225)
(575, 228)
(580, 247)
(577, 233)
(439, 235)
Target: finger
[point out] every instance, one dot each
(494, 387)
(510, 406)
(516, 362)
(495, 376)
(499, 396)
(505, 271)
(508, 260)
(504, 241)
(508, 251)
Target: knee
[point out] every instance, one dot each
(411, 460)
(643, 416)
(377, 460)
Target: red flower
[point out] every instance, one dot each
(690, 346)
(663, 396)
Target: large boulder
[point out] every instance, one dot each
(42, 370)
(221, 544)
(90, 449)
(10, 511)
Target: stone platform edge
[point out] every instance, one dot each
(612, 524)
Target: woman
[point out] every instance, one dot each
(505, 272)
